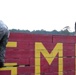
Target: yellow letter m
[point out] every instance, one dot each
(58, 49)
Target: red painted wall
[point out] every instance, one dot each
(24, 54)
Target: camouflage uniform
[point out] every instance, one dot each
(4, 34)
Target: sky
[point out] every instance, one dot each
(38, 14)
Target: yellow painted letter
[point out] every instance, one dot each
(39, 48)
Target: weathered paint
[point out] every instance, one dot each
(40, 55)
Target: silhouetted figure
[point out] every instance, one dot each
(4, 35)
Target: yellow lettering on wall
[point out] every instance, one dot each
(13, 69)
(39, 48)
(11, 44)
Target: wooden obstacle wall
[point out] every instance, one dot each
(34, 54)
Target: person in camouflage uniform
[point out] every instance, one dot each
(4, 35)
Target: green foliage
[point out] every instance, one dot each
(54, 32)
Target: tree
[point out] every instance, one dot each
(65, 30)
